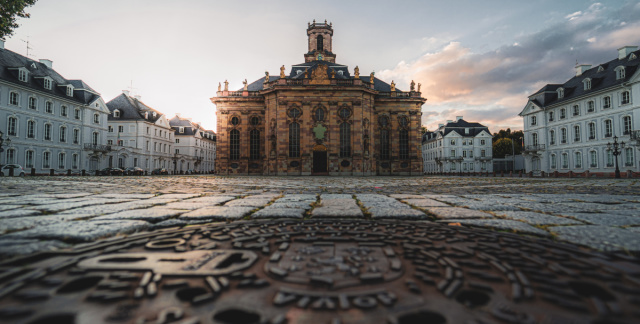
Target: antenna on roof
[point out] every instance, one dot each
(131, 88)
(28, 47)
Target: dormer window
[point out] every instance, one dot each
(70, 91)
(47, 84)
(298, 72)
(620, 73)
(340, 73)
(632, 57)
(560, 93)
(22, 75)
(600, 68)
(587, 84)
(181, 130)
(154, 114)
(116, 113)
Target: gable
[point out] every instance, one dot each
(529, 109)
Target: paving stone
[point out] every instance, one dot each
(169, 223)
(374, 197)
(385, 204)
(335, 196)
(424, 202)
(18, 213)
(9, 207)
(217, 213)
(183, 205)
(177, 196)
(537, 218)
(279, 213)
(262, 196)
(125, 196)
(212, 200)
(297, 197)
(501, 224)
(406, 196)
(338, 202)
(248, 203)
(16, 247)
(491, 207)
(291, 204)
(456, 212)
(152, 215)
(605, 238)
(21, 223)
(396, 213)
(80, 231)
(336, 212)
(605, 218)
(60, 206)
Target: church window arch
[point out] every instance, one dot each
(235, 121)
(294, 112)
(404, 144)
(319, 43)
(254, 121)
(254, 144)
(234, 144)
(294, 140)
(345, 139)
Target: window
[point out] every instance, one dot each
(344, 113)
(560, 93)
(70, 91)
(120, 129)
(116, 113)
(620, 74)
(22, 75)
(147, 145)
(319, 114)
(609, 155)
(534, 138)
(404, 121)
(148, 130)
(576, 110)
(576, 133)
(591, 106)
(177, 141)
(483, 166)
(63, 134)
(565, 160)
(608, 128)
(626, 121)
(76, 113)
(554, 161)
(46, 160)
(94, 138)
(254, 144)
(12, 126)
(482, 142)
(110, 129)
(31, 129)
(48, 107)
(254, 121)
(234, 144)
(28, 158)
(120, 143)
(592, 131)
(534, 120)
(110, 142)
(235, 121)
(47, 84)
(76, 136)
(74, 161)
(345, 139)
(628, 156)
(384, 121)
(404, 144)
(61, 158)
(464, 154)
(181, 129)
(563, 113)
(96, 119)
(625, 98)
(593, 156)
(120, 163)
(453, 142)
(453, 166)
(577, 160)
(11, 156)
(551, 116)
(319, 43)
(483, 153)
(33, 103)
(47, 132)
(587, 84)
(384, 144)
(606, 102)
(552, 137)
(563, 136)
(14, 98)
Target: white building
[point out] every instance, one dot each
(53, 123)
(194, 146)
(567, 126)
(138, 134)
(458, 146)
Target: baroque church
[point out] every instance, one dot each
(319, 119)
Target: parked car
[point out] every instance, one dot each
(17, 170)
(133, 171)
(111, 171)
(190, 171)
(160, 171)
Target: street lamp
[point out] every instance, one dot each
(2, 140)
(616, 152)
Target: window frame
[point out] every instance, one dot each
(12, 126)
(627, 125)
(48, 107)
(608, 128)
(14, 98)
(234, 145)
(345, 138)
(48, 132)
(577, 136)
(625, 98)
(62, 136)
(254, 144)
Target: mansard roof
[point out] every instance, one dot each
(459, 127)
(131, 109)
(11, 62)
(190, 128)
(603, 76)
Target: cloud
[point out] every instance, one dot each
(492, 87)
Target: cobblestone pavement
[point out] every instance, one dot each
(44, 213)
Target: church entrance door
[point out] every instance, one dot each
(320, 160)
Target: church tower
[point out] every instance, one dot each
(319, 39)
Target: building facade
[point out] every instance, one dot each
(194, 148)
(53, 123)
(139, 135)
(567, 126)
(318, 119)
(458, 146)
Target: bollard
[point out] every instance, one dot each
(555, 174)
(629, 174)
(542, 174)
(510, 174)
(502, 173)
(530, 174)
(68, 172)
(520, 173)
(51, 172)
(97, 172)
(570, 174)
(33, 171)
(84, 172)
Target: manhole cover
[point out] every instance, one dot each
(321, 271)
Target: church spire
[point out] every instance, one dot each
(320, 42)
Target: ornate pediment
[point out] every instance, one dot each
(319, 75)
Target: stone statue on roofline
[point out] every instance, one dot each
(413, 86)
(282, 72)
(219, 87)
(393, 86)
(246, 85)
(266, 78)
(419, 85)
(226, 85)
(371, 77)
(356, 71)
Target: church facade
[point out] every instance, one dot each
(319, 119)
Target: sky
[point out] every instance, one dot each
(476, 59)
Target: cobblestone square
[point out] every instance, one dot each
(44, 213)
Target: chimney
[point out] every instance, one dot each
(126, 92)
(48, 63)
(449, 121)
(581, 68)
(1, 43)
(625, 51)
(458, 118)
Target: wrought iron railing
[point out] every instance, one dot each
(534, 148)
(97, 147)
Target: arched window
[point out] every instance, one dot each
(628, 156)
(94, 138)
(48, 107)
(576, 133)
(11, 156)
(63, 134)
(608, 128)
(319, 114)
(565, 160)
(384, 144)
(626, 121)
(577, 160)
(33, 103)
(606, 102)
(591, 106)
(76, 136)
(534, 139)
(74, 161)
(626, 98)
(234, 144)
(592, 131)
(61, 160)
(593, 157)
(552, 137)
(320, 43)
(28, 158)
(563, 136)
(554, 161)
(345, 140)
(12, 126)
(294, 140)
(404, 144)
(254, 144)
(47, 132)
(14, 98)
(609, 158)
(46, 160)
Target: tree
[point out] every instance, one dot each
(424, 129)
(502, 147)
(516, 137)
(9, 10)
